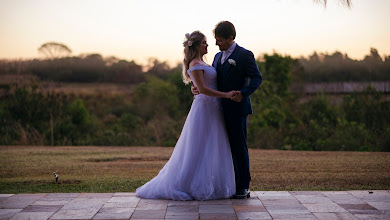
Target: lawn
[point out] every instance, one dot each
(28, 169)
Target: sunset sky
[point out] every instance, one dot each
(138, 30)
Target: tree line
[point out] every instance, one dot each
(153, 115)
(336, 67)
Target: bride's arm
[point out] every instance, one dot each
(203, 89)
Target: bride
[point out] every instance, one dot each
(200, 167)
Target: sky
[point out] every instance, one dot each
(143, 29)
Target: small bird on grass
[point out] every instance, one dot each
(55, 175)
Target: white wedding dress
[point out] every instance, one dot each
(201, 166)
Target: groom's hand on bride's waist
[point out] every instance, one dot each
(237, 96)
(194, 90)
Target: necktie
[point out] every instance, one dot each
(224, 56)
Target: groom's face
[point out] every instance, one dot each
(223, 43)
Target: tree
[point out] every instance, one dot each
(54, 50)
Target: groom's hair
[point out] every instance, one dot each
(225, 29)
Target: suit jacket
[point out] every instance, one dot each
(236, 77)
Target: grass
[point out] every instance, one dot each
(27, 169)
(75, 88)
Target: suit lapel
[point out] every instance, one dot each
(234, 53)
(217, 60)
(233, 56)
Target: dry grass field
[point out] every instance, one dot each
(123, 169)
(69, 88)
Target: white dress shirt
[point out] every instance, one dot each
(228, 52)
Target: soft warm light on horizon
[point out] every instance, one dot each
(139, 30)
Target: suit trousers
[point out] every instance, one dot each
(236, 126)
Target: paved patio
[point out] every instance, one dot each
(262, 205)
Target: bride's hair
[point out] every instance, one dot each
(191, 51)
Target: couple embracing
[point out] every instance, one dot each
(210, 159)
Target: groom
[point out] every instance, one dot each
(235, 66)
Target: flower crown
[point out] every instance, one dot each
(189, 42)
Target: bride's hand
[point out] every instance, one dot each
(229, 95)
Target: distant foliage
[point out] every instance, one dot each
(154, 113)
(338, 67)
(85, 68)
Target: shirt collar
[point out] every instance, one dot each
(231, 48)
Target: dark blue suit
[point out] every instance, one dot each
(236, 77)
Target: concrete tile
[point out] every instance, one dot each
(345, 199)
(19, 204)
(191, 215)
(359, 193)
(6, 195)
(175, 203)
(366, 212)
(182, 209)
(272, 193)
(376, 198)
(124, 194)
(306, 193)
(350, 207)
(8, 213)
(29, 195)
(249, 208)
(295, 216)
(114, 213)
(383, 216)
(286, 209)
(87, 213)
(147, 218)
(53, 201)
(152, 206)
(251, 201)
(148, 214)
(253, 215)
(154, 201)
(20, 201)
(62, 195)
(216, 202)
(219, 216)
(42, 208)
(32, 215)
(326, 193)
(381, 192)
(289, 201)
(253, 195)
(335, 216)
(95, 195)
(85, 203)
(120, 205)
(276, 204)
(310, 199)
(325, 207)
(130, 199)
(384, 206)
(213, 209)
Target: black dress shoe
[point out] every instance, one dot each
(242, 194)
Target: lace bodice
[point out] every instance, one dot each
(210, 75)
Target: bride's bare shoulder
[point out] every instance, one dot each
(195, 62)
